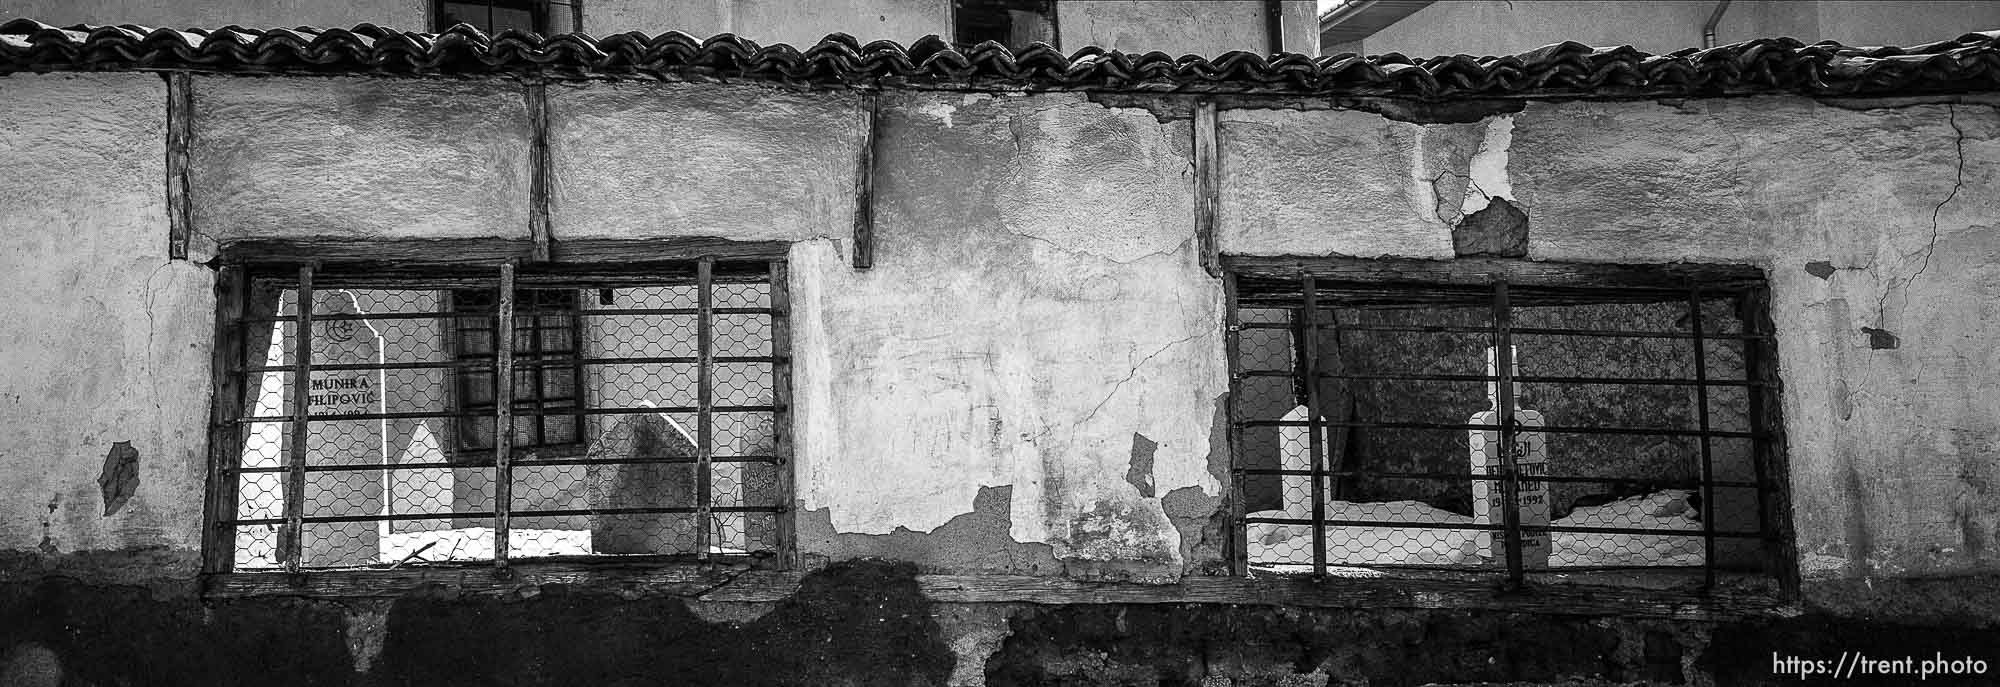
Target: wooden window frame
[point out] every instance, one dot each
(1781, 577)
(420, 262)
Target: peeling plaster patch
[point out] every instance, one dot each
(1140, 471)
(941, 111)
(1820, 268)
(367, 626)
(120, 478)
(1880, 339)
(1202, 522)
(1489, 167)
(979, 541)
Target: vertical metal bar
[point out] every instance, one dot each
(1237, 546)
(781, 417)
(535, 373)
(1510, 485)
(1753, 368)
(503, 420)
(225, 436)
(704, 403)
(1707, 455)
(578, 390)
(293, 536)
(1315, 443)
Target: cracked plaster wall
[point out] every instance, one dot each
(107, 340)
(1891, 450)
(1036, 300)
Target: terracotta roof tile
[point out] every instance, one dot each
(1780, 65)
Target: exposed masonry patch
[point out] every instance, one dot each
(1880, 339)
(1497, 230)
(1820, 268)
(1139, 472)
(120, 477)
(978, 541)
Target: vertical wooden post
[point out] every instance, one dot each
(1207, 183)
(503, 421)
(293, 537)
(539, 181)
(781, 420)
(225, 446)
(864, 184)
(1315, 443)
(704, 403)
(1238, 546)
(180, 135)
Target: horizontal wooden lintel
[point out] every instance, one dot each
(494, 251)
(741, 583)
(1481, 271)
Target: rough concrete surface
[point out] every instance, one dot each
(359, 158)
(633, 160)
(1340, 182)
(109, 341)
(1036, 300)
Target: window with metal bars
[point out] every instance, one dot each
(543, 17)
(1016, 24)
(364, 428)
(547, 328)
(1510, 417)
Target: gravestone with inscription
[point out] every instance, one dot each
(1531, 459)
(340, 338)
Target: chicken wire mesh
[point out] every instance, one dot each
(1636, 440)
(642, 420)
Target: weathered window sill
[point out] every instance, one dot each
(1595, 594)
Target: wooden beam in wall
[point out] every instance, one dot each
(180, 135)
(864, 185)
(538, 161)
(1207, 182)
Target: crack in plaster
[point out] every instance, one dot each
(1930, 248)
(1128, 377)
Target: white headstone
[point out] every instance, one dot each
(1531, 457)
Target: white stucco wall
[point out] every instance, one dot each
(358, 157)
(1507, 27)
(1036, 305)
(1199, 27)
(407, 15)
(1886, 446)
(108, 340)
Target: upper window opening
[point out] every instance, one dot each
(493, 16)
(1012, 23)
(1371, 404)
(645, 416)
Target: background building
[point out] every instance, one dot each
(1202, 27)
(1424, 28)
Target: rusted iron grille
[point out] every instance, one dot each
(642, 416)
(1353, 421)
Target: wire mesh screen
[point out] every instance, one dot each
(1500, 428)
(503, 417)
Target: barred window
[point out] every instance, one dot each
(365, 428)
(1370, 401)
(493, 16)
